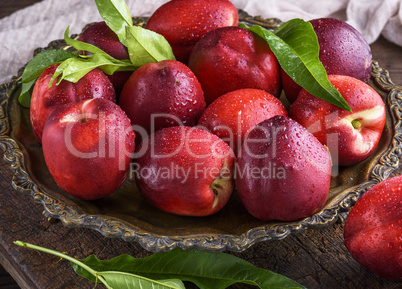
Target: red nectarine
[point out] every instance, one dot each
(232, 115)
(283, 171)
(373, 229)
(88, 147)
(184, 22)
(343, 51)
(101, 36)
(232, 58)
(185, 171)
(94, 84)
(163, 94)
(350, 136)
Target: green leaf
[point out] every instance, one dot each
(34, 69)
(121, 280)
(206, 270)
(116, 15)
(73, 69)
(25, 95)
(296, 47)
(42, 60)
(145, 46)
(79, 45)
(111, 279)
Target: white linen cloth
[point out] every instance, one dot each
(37, 25)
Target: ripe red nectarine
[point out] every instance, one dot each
(232, 115)
(160, 95)
(184, 22)
(101, 36)
(185, 171)
(94, 84)
(350, 136)
(88, 147)
(343, 51)
(232, 58)
(373, 229)
(283, 171)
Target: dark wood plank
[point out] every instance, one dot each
(22, 219)
(6, 281)
(389, 56)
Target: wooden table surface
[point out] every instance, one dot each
(315, 258)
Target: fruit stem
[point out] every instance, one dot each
(64, 256)
(356, 124)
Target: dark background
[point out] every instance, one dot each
(314, 258)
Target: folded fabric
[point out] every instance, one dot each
(37, 25)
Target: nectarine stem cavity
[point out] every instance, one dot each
(356, 124)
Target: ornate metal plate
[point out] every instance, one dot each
(126, 215)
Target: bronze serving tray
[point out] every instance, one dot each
(126, 215)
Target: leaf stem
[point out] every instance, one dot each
(64, 256)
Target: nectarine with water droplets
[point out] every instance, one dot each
(101, 36)
(283, 171)
(343, 51)
(373, 229)
(163, 94)
(351, 136)
(232, 58)
(184, 22)
(232, 115)
(88, 147)
(185, 171)
(94, 84)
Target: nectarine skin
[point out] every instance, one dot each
(94, 84)
(373, 229)
(185, 171)
(232, 58)
(343, 51)
(167, 93)
(351, 137)
(232, 115)
(101, 36)
(88, 147)
(283, 172)
(184, 22)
